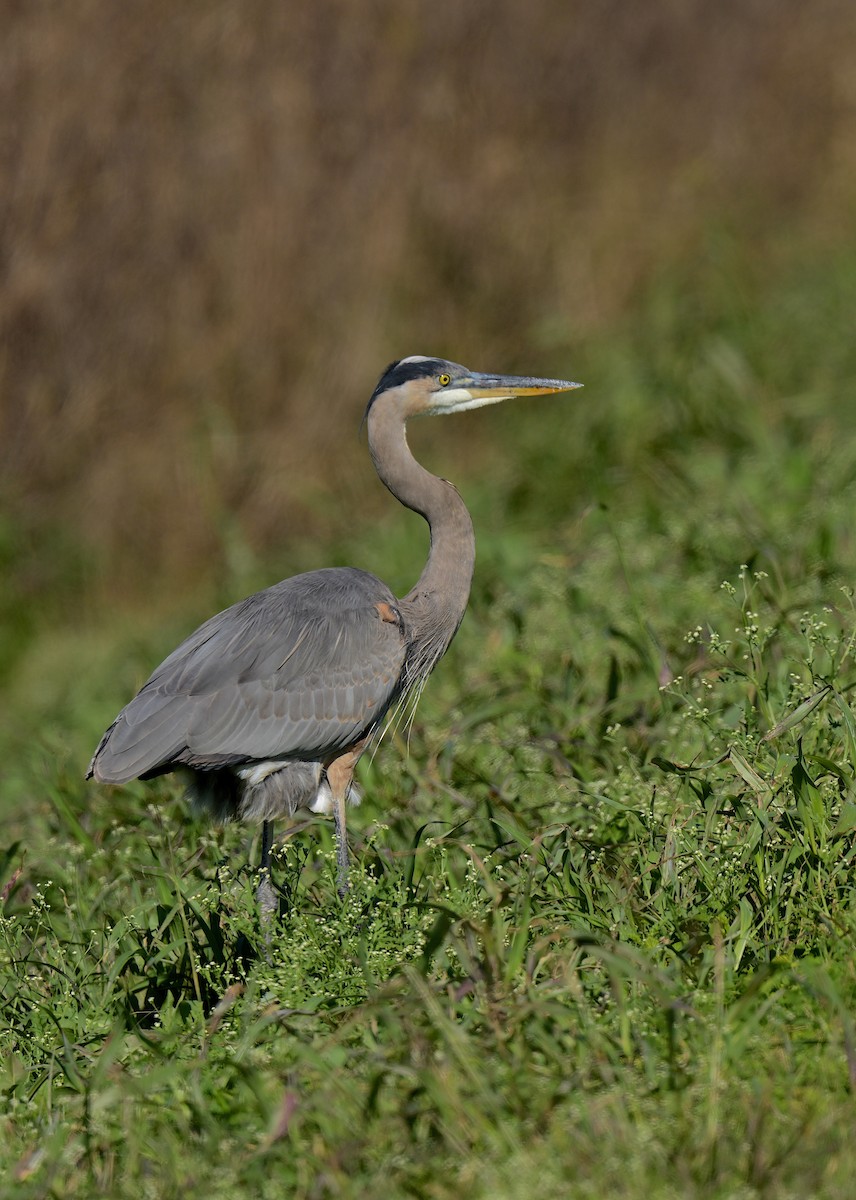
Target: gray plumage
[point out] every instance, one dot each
(269, 704)
(295, 672)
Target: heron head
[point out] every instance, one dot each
(434, 386)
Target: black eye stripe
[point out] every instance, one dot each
(399, 372)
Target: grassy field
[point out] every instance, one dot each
(600, 937)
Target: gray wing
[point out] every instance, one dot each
(301, 670)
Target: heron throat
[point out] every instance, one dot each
(434, 608)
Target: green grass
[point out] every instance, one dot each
(600, 935)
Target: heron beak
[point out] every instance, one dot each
(505, 387)
(476, 390)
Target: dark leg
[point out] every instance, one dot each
(265, 895)
(267, 842)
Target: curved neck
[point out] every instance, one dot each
(442, 590)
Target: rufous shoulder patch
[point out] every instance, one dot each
(387, 613)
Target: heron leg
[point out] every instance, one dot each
(267, 843)
(340, 773)
(265, 895)
(341, 845)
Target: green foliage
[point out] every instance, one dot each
(599, 940)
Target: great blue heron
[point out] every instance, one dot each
(271, 703)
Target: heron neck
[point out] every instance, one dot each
(442, 590)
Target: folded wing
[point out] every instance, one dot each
(301, 670)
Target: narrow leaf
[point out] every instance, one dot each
(799, 714)
(749, 774)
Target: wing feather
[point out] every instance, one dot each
(300, 670)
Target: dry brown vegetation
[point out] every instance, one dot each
(219, 222)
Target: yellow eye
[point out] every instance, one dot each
(444, 380)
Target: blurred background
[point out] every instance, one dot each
(220, 222)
